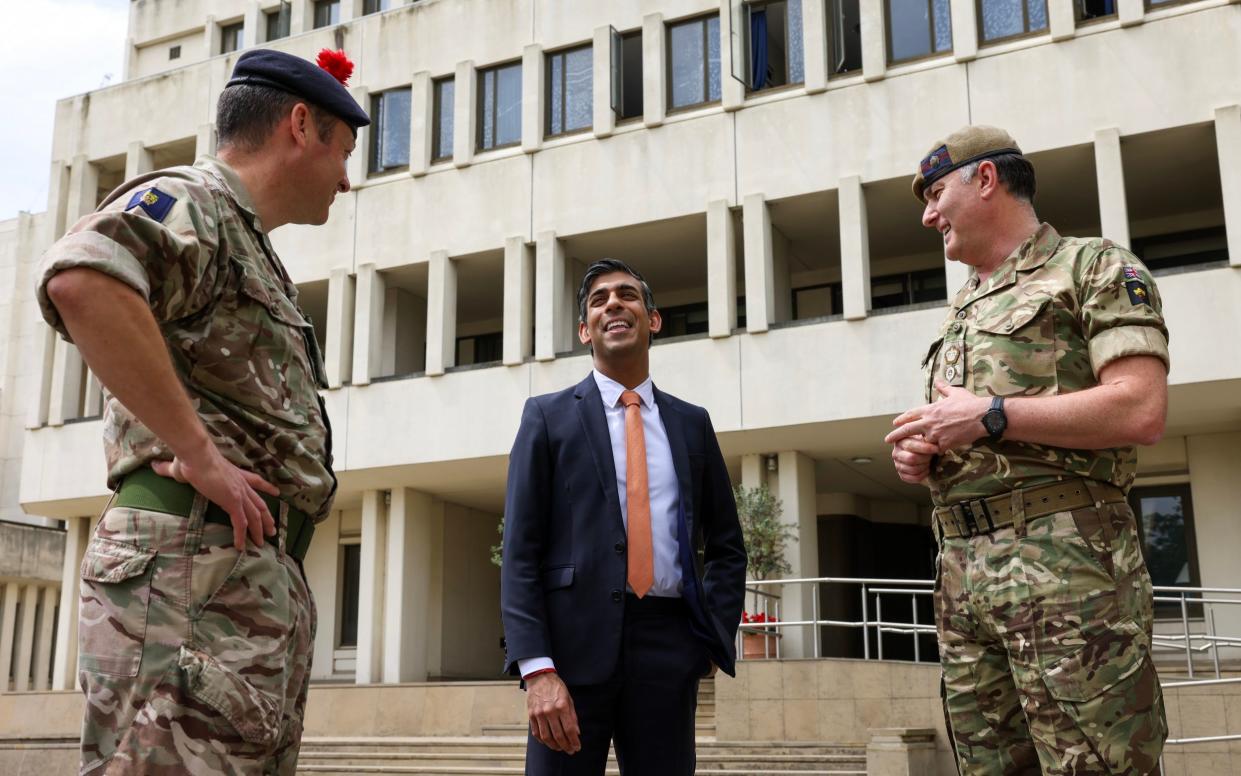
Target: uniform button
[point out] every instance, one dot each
(956, 327)
(1008, 326)
(620, 548)
(617, 596)
(961, 314)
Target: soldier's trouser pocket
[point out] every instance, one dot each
(1110, 690)
(115, 596)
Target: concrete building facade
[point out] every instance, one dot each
(757, 174)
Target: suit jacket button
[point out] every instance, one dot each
(620, 548)
(616, 596)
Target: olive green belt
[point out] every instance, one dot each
(144, 489)
(978, 516)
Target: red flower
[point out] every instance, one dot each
(749, 619)
(337, 65)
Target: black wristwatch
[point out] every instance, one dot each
(994, 419)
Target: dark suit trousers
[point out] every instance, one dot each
(646, 708)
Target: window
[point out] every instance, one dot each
(906, 288)
(570, 91)
(1094, 9)
(480, 349)
(499, 106)
(375, 6)
(693, 318)
(817, 301)
(1002, 19)
(918, 28)
(350, 579)
(278, 22)
(230, 37)
(627, 74)
(326, 12)
(1165, 517)
(442, 120)
(844, 36)
(390, 133)
(694, 62)
(174, 52)
(776, 44)
(1182, 249)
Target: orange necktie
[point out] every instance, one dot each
(637, 494)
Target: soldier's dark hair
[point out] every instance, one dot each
(606, 267)
(247, 113)
(1015, 172)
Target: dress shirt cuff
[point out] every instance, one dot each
(529, 665)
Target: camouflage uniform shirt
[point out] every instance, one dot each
(1046, 322)
(189, 241)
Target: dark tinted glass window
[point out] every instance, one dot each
(350, 578)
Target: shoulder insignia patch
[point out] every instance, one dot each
(1138, 293)
(1131, 273)
(154, 202)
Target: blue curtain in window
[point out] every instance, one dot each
(758, 48)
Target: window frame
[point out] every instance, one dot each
(495, 113)
(887, 43)
(702, 19)
(1080, 19)
(283, 7)
(619, 77)
(378, 9)
(1025, 23)
(1163, 609)
(372, 162)
(237, 28)
(830, 23)
(341, 585)
(750, 5)
(437, 112)
(314, 13)
(174, 52)
(564, 92)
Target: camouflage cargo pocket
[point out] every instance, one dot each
(116, 591)
(254, 714)
(1110, 689)
(1015, 350)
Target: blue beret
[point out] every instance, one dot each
(278, 70)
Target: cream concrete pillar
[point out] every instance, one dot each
(518, 300)
(465, 113)
(371, 586)
(1131, 12)
(43, 647)
(338, 345)
(603, 117)
(901, 752)
(854, 249)
(83, 189)
(721, 270)
(206, 142)
(45, 359)
(368, 320)
(760, 299)
(26, 638)
(137, 160)
(732, 91)
(814, 34)
(407, 587)
(93, 400)
(211, 36)
(1109, 167)
(654, 59)
(532, 98)
(65, 663)
(1228, 146)
(964, 30)
(350, 10)
(1216, 491)
(301, 17)
(57, 201)
(421, 120)
(356, 166)
(753, 470)
(68, 372)
(874, 39)
(250, 21)
(8, 623)
(551, 327)
(796, 490)
(129, 68)
(1061, 19)
(441, 313)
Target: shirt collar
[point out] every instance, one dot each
(231, 181)
(611, 391)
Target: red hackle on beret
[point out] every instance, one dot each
(337, 64)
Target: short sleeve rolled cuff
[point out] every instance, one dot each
(90, 250)
(1122, 341)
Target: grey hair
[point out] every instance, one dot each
(1013, 170)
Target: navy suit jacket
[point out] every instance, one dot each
(563, 577)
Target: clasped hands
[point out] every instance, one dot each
(920, 434)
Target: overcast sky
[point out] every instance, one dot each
(55, 49)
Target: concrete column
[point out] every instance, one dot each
(137, 160)
(371, 586)
(1061, 19)
(854, 249)
(356, 167)
(965, 30)
(43, 646)
(25, 636)
(550, 326)
(206, 142)
(465, 113)
(1131, 12)
(1109, 168)
(753, 470)
(211, 36)
(65, 662)
(129, 68)
(721, 270)
(251, 20)
(421, 121)
(1228, 146)
(83, 189)
(441, 313)
(814, 32)
(93, 400)
(301, 17)
(338, 344)
(68, 372)
(654, 59)
(350, 10)
(732, 91)
(874, 39)
(8, 624)
(604, 118)
(901, 752)
(407, 587)
(796, 490)
(45, 359)
(518, 300)
(532, 98)
(1216, 488)
(368, 320)
(760, 288)
(57, 201)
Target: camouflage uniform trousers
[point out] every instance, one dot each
(1044, 635)
(194, 657)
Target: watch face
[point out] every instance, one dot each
(993, 421)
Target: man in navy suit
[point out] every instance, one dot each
(624, 567)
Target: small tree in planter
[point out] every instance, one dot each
(765, 539)
(497, 548)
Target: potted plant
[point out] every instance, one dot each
(765, 538)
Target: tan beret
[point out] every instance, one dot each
(965, 146)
